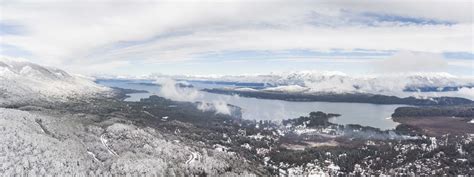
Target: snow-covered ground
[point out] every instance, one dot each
(35, 143)
(24, 82)
(27, 148)
(52, 142)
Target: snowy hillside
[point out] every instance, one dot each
(37, 144)
(22, 82)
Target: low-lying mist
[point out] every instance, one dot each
(170, 89)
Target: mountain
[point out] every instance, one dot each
(402, 85)
(24, 82)
(79, 135)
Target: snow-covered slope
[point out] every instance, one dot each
(23, 82)
(66, 144)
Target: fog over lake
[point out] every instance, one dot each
(264, 109)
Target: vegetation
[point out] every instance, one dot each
(156, 128)
(445, 111)
(345, 97)
(315, 119)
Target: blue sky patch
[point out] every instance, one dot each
(459, 55)
(11, 29)
(377, 17)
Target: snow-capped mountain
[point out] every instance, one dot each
(402, 84)
(335, 81)
(23, 82)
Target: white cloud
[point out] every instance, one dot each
(454, 10)
(405, 61)
(220, 107)
(170, 90)
(71, 33)
(466, 93)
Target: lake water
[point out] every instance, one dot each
(263, 109)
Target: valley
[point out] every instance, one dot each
(136, 130)
(236, 88)
(110, 131)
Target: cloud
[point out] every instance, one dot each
(220, 107)
(73, 34)
(406, 61)
(170, 90)
(466, 93)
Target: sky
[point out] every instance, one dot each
(139, 37)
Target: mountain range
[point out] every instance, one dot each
(420, 84)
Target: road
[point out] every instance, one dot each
(104, 142)
(195, 156)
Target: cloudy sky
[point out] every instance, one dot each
(235, 37)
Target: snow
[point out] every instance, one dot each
(339, 82)
(257, 136)
(246, 89)
(220, 148)
(333, 167)
(289, 88)
(75, 146)
(148, 113)
(104, 143)
(25, 82)
(25, 145)
(246, 146)
(310, 169)
(303, 130)
(311, 81)
(194, 157)
(93, 156)
(472, 121)
(262, 151)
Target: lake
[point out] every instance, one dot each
(263, 109)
